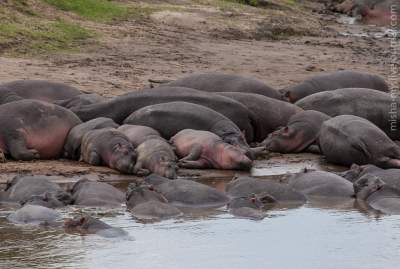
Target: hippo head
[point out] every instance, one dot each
(353, 173)
(253, 201)
(286, 95)
(287, 139)
(122, 157)
(142, 193)
(84, 224)
(163, 166)
(367, 185)
(231, 157)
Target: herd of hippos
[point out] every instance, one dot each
(209, 120)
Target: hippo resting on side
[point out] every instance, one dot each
(145, 203)
(187, 193)
(377, 194)
(377, 107)
(41, 90)
(216, 82)
(202, 149)
(120, 107)
(72, 147)
(89, 225)
(36, 190)
(34, 214)
(170, 118)
(349, 139)
(269, 113)
(109, 147)
(300, 133)
(96, 194)
(334, 81)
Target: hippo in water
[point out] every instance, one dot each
(187, 193)
(109, 147)
(202, 149)
(170, 118)
(96, 194)
(81, 100)
(137, 134)
(349, 139)
(72, 147)
(145, 203)
(333, 81)
(217, 82)
(120, 107)
(34, 129)
(269, 113)
(250, 207)
(377, 107)
(34, 214)
(298, 135)
(41, 90)
(378, 195)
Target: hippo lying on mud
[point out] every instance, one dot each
(120, 107)
(216, 82)
(202, 149)
(41, 90)
(34, 129)
(349, 139)
(300, 133)
(170, 118)
(377, 107)
(109, 147)
(334, 81)
(34, 214)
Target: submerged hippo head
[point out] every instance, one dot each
(231, 157)
(367, 185)
(49, 200)
(253, 201)
(122, 155)
(85, 224)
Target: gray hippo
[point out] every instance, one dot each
(72, 147)
(281, 193)
(250, 207)
(187, 193)
(269, 113)
(96, 194)
(41, 90)
(34, 214)
(137, 134)
(321, 184)
(333, 81)
(350, 139)
(109, 147)
(217, 82)
(298, 135)
(145, 203)
(81, 100)
(170, 118)
(378, 195)
(120, 107)
(26, 189)
(377, 107)
(202, 149)
(89, 225)
(34, 129)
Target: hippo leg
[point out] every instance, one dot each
(193, 155)
(313, 149)
(94, 158)
(19, 150)
(193, 164)
(139, 170)
(257, 151)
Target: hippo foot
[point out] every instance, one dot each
(142, 172)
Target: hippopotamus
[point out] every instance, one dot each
(137, 134)
(321, 184)
(187, 193)
(377, 107)
(269, 113)
(250, 207)
(41, 90)
(96, 194)
(72, 147)
(109, 147)
(34, 214)
(170, 118)
(244, 186)
(26, 189)
(334, 81)
(217, 82)
(348, 139)
(88, 225)
(145, 203)
(203, 149)
(120, 107)
(377, 194)
(34, 129)
(81, 100)
(298, 135)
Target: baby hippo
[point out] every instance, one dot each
(109, 147)
(203, 149)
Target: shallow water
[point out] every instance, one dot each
(317, 235)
